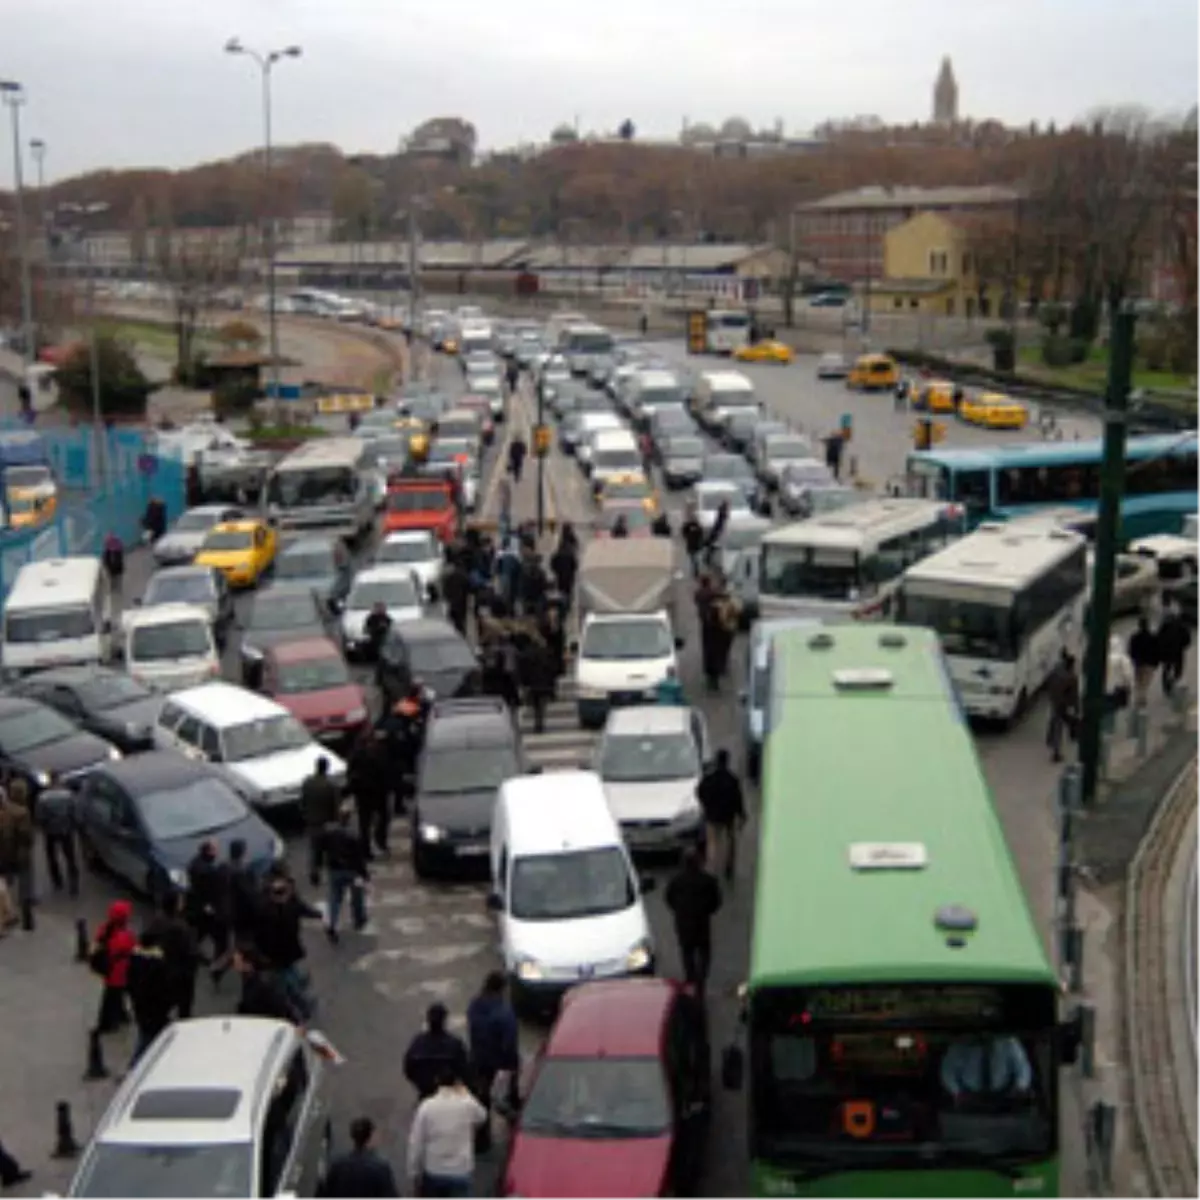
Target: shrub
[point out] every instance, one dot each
(1052, 316)
(234, 397)
(123, 387)
(1056, 350)
(1004, 349)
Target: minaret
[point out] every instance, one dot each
(945, 95)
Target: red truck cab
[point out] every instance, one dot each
(421, 502)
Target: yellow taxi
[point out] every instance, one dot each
(994, 410)
(27, 509)
(766, 351)
(934, 395)
(873, 372)
(627, 488)
(242, 551)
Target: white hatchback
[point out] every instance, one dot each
(397, 590)
(170, 646)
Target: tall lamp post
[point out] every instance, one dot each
(265, 62)
(13, 95)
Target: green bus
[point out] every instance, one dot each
(901, 1015)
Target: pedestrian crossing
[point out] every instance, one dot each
(562, 745)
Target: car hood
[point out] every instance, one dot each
(286, 769)
(554, 1166)
(179, 545)
(177, 853)
(683, 462)
(73, 753)
(448, 684)
(139, 713)
(660, 800)
(459, 812)
(261, 638)
(354, 620)
(324, 704)
(224, 558)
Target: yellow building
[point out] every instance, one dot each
(927, 269)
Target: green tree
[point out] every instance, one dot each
(123, 387)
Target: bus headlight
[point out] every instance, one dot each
(431, 833)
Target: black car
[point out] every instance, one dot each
(682, 460)
(36, 742)
(280, 613)
(145, 818)
(471, 747)
(320, 563)
(667, 422)
(110, 704)
(432, 651)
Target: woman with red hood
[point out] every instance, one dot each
(111, 952)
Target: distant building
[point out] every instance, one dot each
(945, 95)
(450, 139)
(928, 268)
(844, 233)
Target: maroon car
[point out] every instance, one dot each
(309, 677)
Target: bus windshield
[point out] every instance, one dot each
(311, 486)
(940, 1074)
(966, 627)
(822, 574)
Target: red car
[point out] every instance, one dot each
(309, 677)
(618, 1100)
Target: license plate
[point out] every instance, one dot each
(470, 851)
(329, 735)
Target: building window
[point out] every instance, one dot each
(939, 262)
(950, 306)
(914, 303)
(898, 302)
(966, 264)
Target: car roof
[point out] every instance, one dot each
(165, 614)
(156, 769)
(10, 704)
(69, 675)
(182, 572)
(470, 723)
(408, 535)
(285, 591)
(621, 1018)
(307, 544)
(559, 812)
(641, 720)
(387, 573)
(238, 1055)
(225, 703)
(302, 649)
(242, 525)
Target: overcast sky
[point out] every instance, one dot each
(144, 82)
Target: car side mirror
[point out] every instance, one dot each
(494, 902)
(733, 1068)
(679, 643)
(647, 883)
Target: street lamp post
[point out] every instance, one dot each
(266, 61)
(13, 95)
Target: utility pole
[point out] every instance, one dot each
(13, 95)
(1112, 487)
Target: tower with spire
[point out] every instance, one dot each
(945, 95)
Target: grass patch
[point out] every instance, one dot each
(1092, 374)
(151, 337)
(285, 433)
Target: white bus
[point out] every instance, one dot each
(726, 330)
(846, 564)
(326, 484)
(1006, 601)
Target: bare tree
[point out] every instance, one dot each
(194, 266)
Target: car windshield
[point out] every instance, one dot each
(312, 675)
(267, 735)
(229, 539)
(117, 1169)
(726, 466)
(778, 447)
(430, 656)
(193, 588)
(685, 447)
(561, 887)
(407, 551)
(966, 628)
(458, 769)
(50, 625)
(804, 571)
(202, 806)
(710, 499)
(32, 727)
(196, 520)
(646, 758)
(391, 593)
(178, 639)
(627, 489)
(598, 1098)
(654, 397)
(310, 486)
(109, 691)
(410, 499)
(305, 564)
(272, 611)
(621, 640)
(616, 460)
(449, 451)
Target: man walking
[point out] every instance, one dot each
(694, 896)
(1174, 638)
(441, 1143)
(343, 855)
(432, 1050)
(517, 451)
(319, 803)
(1062, 689)
(1144, 654)
(208, 905)
(492, 1030)
(360, 1171)
(177, 940)
(149, 989)
(724, 808)
(56, 817)
(368, 772)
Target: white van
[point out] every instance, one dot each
(567, 900)
(613, 452)
(719, 394)
(58, 611)
(171, 646)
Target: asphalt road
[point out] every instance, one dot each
(435, 941)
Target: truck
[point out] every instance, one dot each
(624, 642)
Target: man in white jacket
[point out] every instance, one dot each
(441, 1142)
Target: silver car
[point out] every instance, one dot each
(181, 543)
(650, 759)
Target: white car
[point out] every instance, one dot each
(412, 550)
(181, 543)
(649, 760)
(709, 495)
(171, 646)
(491, 387)
(398, 591)
(832, 366)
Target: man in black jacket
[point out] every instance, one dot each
(56, 817)
(368, 778)
(208, 903)
(343, 853)
(720, 797)
(319, 803)
(694, 896)
(149, 991)
(182, 954)
(361, 1171)
(263, 994)
(277, 936)
(245, 891)
(431, 1050)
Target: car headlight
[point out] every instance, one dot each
(41, 778)
(178, 876)
(431, 833)
(114, 754)
(356, 714)
(278, 848)
(528, 969)
(638, 958)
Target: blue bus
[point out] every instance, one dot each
(996, 483)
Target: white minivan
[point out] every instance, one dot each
(171, 646)
(58, 612)
(567, 901)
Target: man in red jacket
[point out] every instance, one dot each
(112, 951)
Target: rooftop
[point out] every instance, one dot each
(884, 198)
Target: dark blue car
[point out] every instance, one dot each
(144, 818)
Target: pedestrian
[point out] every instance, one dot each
(835, 444)
(58, 820)
(109, 958)
(533, 584)
(367, 772)
(456, 589)
(661, 525)
(360, 1171)
(536, 672)
(20, 805)
(441, 1142)
(245, 892)
(694, 896)
(277, 935)
(16, 852)
(319, 804)
(12, 1174)
(901, 397)
(693, 538)
(504, 498)
(432, 1050)
(718, 625)
(1174, 638)
(492, 1033)
(517, 450)
(718, 527)
(670, 690)
(620, 527)
(1145, 655)
(154, 520)
(720, 796)
(513, 375)
(1062, 689)
(263, 991)
(497, 679)
(343, 855)
(375, 627)
(208, 905)
(555, 637)
(149, 990)
(114, 560)
(177, 941)
(564, 564)
(1118, 678)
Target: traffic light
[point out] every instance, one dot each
(541, 440)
